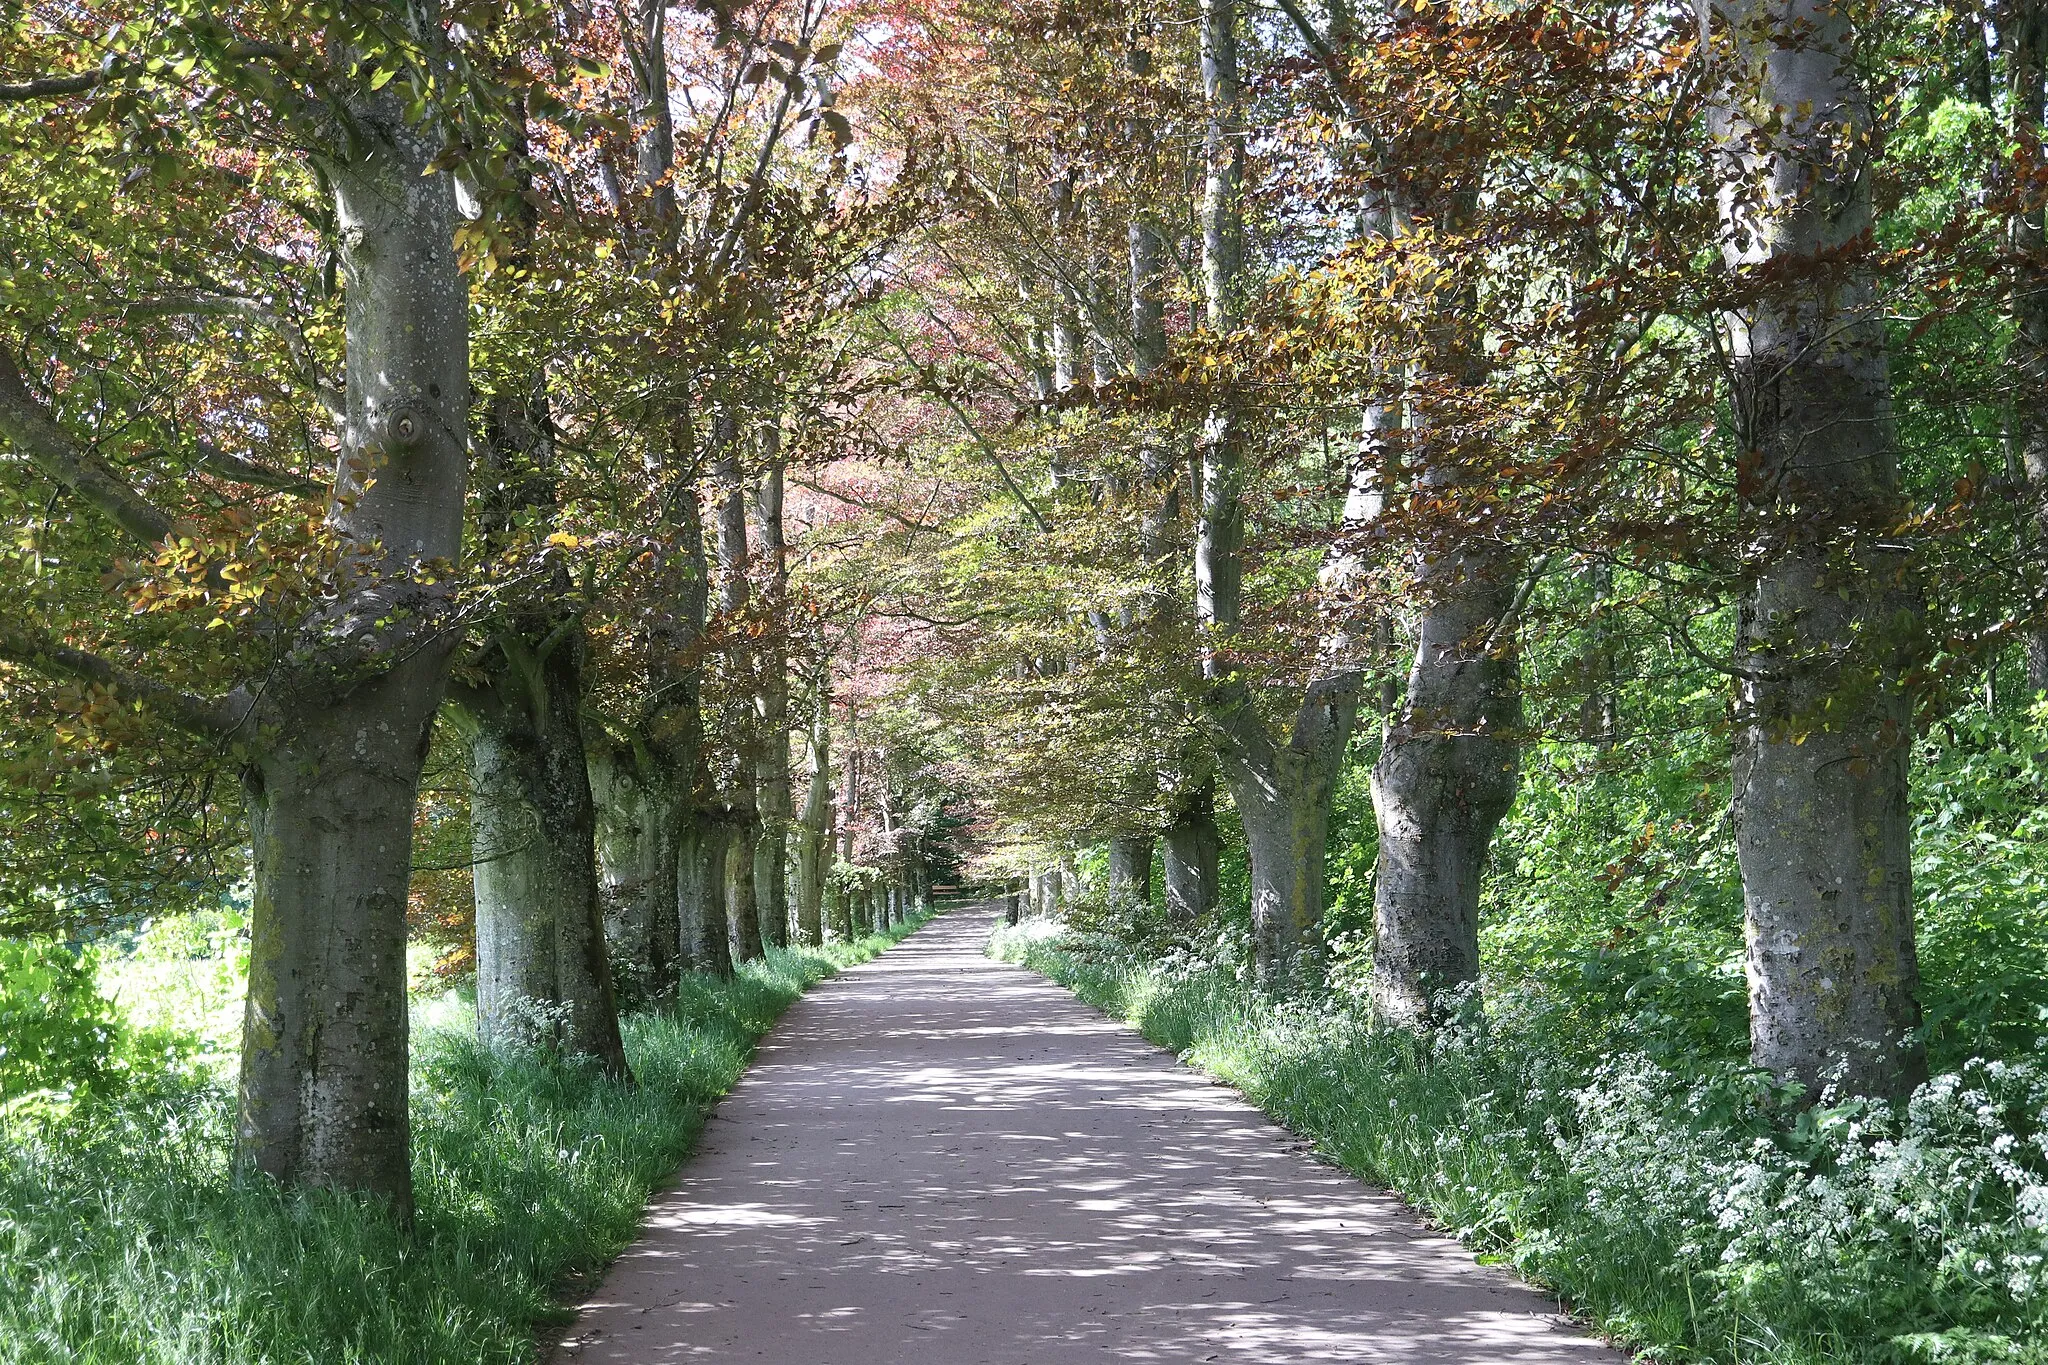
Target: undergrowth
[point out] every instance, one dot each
(1688, 1212)
(125, 1237)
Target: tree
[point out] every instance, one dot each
(330, 735)
(1826, 726)
(542, 969)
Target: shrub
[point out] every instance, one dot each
(57, 1032)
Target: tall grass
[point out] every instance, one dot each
(1689, 1214)
(124, 1236)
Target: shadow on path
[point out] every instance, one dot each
(940, 1158)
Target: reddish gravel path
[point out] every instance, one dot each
(939, 1159)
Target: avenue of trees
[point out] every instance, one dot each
(1388, 498)
(390, 389)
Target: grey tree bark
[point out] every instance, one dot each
(738, 794)
(1825, 728)
(813, 859)
(771, 703)
(638, 829)
(1446, 775)
(1130, 869)
(2023, 40)
(1282, 789)
(742, 835)
(647, 778)
(1450, 754)
(1191, 840)
(1193, 849)
(542, 974)
(651, 776)
(323, 1089)
(654, 142)
(700, 896)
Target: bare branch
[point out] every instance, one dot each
(850, 500)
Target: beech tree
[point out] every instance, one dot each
(328, 734)
(1826, 727)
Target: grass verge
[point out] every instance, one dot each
(1689, 1215)
(124, 1236)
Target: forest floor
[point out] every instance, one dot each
(940, 1157)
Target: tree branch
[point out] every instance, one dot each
(238, 305)
(1509, 618)
(1236, 729)
(56, 87)
(27, 426)
(213, 718)
(50, 87)
(1333, 64)
(974, 432)
(906, 520)
(219, 462)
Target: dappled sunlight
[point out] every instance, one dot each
(943, 1158)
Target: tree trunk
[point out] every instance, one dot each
(1822, 833)
(839, 906)
(1282, 790)
(654, 145)
(771, 861)
(700, 895)
(814, 829)
(666, 739)
(1446, 775)
(771, 705)
(739, 781)
(638, 824)
(542, 978)
(1130, 869)
(2023, 38)
(1450, 755)
(543, 973)
(323, 1094)
(1193, 849)
(742, 833)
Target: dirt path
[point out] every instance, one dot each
(941, 1160)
